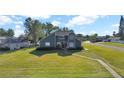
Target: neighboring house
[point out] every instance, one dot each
(114, 39)
(13, 43)
(117, 39)
(61, 39)
(111, 39)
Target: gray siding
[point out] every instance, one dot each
(71, 40)
(2, 41)
(78, 44)
(73, 37)
(50, 39)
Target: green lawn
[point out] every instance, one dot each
(31, 63)
(114, 44)
(112, 57)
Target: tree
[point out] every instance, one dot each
(121, 28)
(94, 37)
(2, 32)
(28, 28)
(114, 33)
(87, 37)
(10, 32)
(49, 28)
(80, 37)
(65, 29)
(107, 36)
(33, 29)
(22, 37)
(36, 28)
(71, 30)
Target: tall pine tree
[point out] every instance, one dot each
(121, 28)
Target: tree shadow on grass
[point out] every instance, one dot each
(8, 51)
(59, 52)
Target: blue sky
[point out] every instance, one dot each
(101, 24)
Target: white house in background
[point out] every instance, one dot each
(13, 43)
(116, 40)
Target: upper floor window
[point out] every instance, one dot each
(71, 37)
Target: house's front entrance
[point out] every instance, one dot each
(61, 41)
(62, 44)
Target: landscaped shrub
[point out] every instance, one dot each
(80, 48)
(52, 48)
(4, 49)
(47, 48)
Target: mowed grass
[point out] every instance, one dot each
(112, 57)
(114, 44)
(31, 63)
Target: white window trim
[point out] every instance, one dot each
(71, 44)
(47, 43)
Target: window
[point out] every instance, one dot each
(47, 43)
(71, 37)
(71, 44)
(58, 43)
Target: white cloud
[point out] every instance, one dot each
(18, 30)
(81, 20)
(17, 27)
(80, 32)
(18, 22)
(115, 25)
(17, 18)
(56, 23)
(5, 20)
(10, 20)
(14, 17)
(103, 16)
(39, 17)
(92, 32)
(107, 32)
(45, 16)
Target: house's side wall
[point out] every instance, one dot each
(50, 39)
(2, 42)
(78, 44)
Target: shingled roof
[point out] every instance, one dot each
(62, 33)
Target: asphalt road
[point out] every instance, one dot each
(109, 46)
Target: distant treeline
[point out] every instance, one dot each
(9, 32)
(36, 30)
